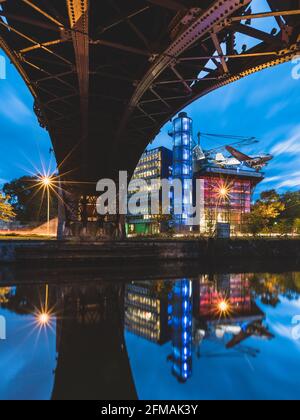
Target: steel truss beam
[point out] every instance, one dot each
(255, 33)
(52, 76)
(169, 4)
(42, 12)
(30, 21)
(79, 20)
(268, 39)
(121, 19)
(122, 47)
(202, 25)
(34, 42)
(264, 15)
(134, 28)
(220, 52)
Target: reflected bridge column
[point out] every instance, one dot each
(93, 362)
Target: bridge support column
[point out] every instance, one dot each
(79, 220)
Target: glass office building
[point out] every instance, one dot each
(182, 135)
(153, 166)
(223, 191)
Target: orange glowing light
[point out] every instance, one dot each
(46, 181)
(43, 319)
(223, 192)
(223, 306)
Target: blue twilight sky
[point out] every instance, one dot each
(265, 105)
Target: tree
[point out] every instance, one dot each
(269, 196)
(284, 227)
(6, 210)
(265, 212)
(29, 201)
(296, 226)
(254, 222)
(291, 201)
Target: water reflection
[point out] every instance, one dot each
(215, 336)
(186, 312)
(219, 326)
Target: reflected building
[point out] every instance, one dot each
(225, 308)
(234, 288)
(147, 311)
(182, 329)
(161, 312)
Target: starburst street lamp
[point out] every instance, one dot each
(47, 182)
(223, 191)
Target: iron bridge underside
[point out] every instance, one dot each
(107, 75)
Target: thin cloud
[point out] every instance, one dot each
(290, 183)
(276, 109)
(271, 179)
(14, 109)
(290, 146)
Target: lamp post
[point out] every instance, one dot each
(47, 183)
(43, 317)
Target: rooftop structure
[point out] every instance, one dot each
(225, 195)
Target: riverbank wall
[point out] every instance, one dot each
(148, 251)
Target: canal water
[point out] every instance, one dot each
(213, 336)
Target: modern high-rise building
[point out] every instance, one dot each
(182, 135)
(223, 192)
(153, 166)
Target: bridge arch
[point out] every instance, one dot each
(106, 77)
